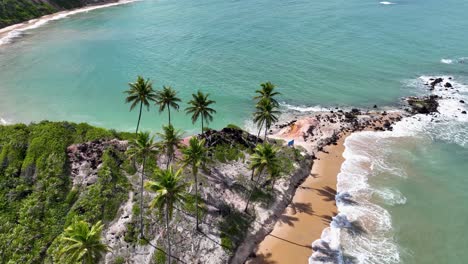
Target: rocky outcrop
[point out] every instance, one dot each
(230, 136)
(86, 158)
(423, 105)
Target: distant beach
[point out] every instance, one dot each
(8, 34)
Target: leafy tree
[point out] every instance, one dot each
(170, 190)
(266, 114)
(199, 106)
(265, 158)
(194, 155)
(167, 97)
(141, 92)
(82, 243)
(142, 147)
(267, 92)
(170, 141)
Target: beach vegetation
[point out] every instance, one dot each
(170, 191)
(195, 156)
(143, 147)
(167, 98)
(264, 159)
(171, 139)
(81, 243)
(140, 94)
(200, 107)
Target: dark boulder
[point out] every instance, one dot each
(461, 101)
(448, 85)
(464, 112)
(424, 105)
(230, 136)
(436, 81)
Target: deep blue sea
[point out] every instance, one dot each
(410, 184)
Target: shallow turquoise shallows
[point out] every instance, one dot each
(319, 53)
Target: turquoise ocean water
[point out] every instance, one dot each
(410, 184)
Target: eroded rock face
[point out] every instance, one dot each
(85, 159)
(423, 105)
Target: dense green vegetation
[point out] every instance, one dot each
(17, 11)
(48, 219)
(36, 195)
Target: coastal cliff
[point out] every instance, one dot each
(17, 11)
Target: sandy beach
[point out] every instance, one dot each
(310, 212)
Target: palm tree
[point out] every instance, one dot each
(266, 114)
(170, 191)
(167, 98)
(142, 147)
(264, 158)
(199, 107)
(82, 243)
(194, 155)
(170, 141)
(267, 92)
(140, 92)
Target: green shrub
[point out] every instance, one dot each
(232, 126)
(159, 257)
(119, 260)
(233, 229)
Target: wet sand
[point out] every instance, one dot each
(310, 212)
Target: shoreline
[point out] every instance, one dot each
(312, 205)
(9, 33)
(309, 213)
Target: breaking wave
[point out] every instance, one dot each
(362, 231)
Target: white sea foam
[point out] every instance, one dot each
(461, 60)
(3, 121)
(366, 157)
(446, 61)
(13, 32)
(304, 109)
(387, 3)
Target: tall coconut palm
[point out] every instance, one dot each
(141, 92)
(167, 97)
(81, 242)
(266, 114)
(170, 190)
(267, 92)
(170, 141)
(142, 147)
(194, 155)
(200, 107)
(264, 158)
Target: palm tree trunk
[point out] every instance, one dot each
(196, 195)
(139, 118)
(141, 197)
(259, 131)
(168, 235)
(266, 130)
(202, 124)
(251, 192)
(256, 141)
(169, 111)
